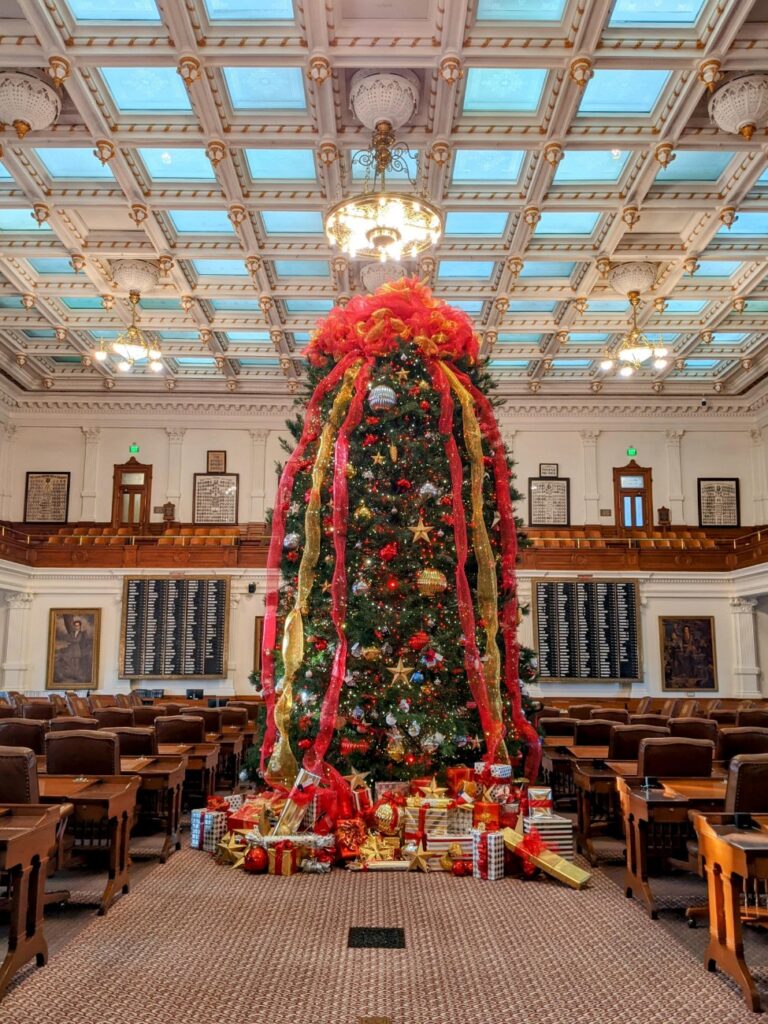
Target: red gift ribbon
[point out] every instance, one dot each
(547, 804)
(284, 848)
(482, 855)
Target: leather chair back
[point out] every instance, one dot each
(648, 720)
(252, 707)
(6, 711)
(135, 741)
(594, 733)
(234, 716)
(78, 705)
(733, 740)
(625, 740)
(146, 714)
(723, 716)
(40, 710)
(670, 708)
(102, 700)
(121, 701)
(134, 699)
(753, 717)
(109, 718)
(673, 757)
(18, 776)
(558, 726)
(174, 709)
(581, 711)
(611, 715)
(180, 729)
(82, 752)
(68, 723)
(693, 728)
(747, 788)
(59, 705)
(23, 732)
(644, 706)
(688, 709)
(211, 717)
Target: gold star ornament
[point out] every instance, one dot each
(356, 780)
(421, 531)
(418, 861)
(378, 459)
(433, 791)
(400, 672)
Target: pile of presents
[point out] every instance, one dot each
(482, 822)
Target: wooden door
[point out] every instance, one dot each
(131, 495)
(633, 497)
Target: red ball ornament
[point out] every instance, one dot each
(321, 644)
(256, 860)
(424, 405)
(388, 552)
(418, 640)
(304, 744)
(461, 868)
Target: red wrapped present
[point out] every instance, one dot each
(351, 833)
(284, 858)
(363, 799)
(417, 785)
(487, 814)
(455, 775)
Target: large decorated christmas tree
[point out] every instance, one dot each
(390, 633)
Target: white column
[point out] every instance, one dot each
(675, 477)
(173, 485)
(259, 440)
(591, 491)
(14, 668)
(7, 437)
(759, 482)
(91, 439)
(746, 671)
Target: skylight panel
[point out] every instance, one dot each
(520, 10)
(476, 269)
(170, 304)
(504, 90)
(519, 339)
(407, 172)
(235, 305)
(557, 223)
(292, 222)
(685, 305)
(606, 306)
(219, 268)
(249, 10)
(587, 165)
(308, 305)
(695, 165)
(587, 338)
(547, 268)
(21, 220)
(701, 364)
(469, 305)
(476, 224)
(114, 10)
(72, 163)
(241, 337)
(571, 364)
(281, 164)
(177, 335)
(532, 306)
(177, 164)
(83, 302)
(301, 337)
(627, 93)
(65, 360)
(487, 165)
(510, 364)
(728, 338)
(10, 302)
(718, 268)
(147, 90)
(301, 268)
(40, 334)
(753, 222)
(264, 363)
(201, 222)
(51, 265)
(198, 361)
(662, 13)
(5, 174)
(265, 88)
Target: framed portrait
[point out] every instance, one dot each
(73, 649)
(549, 469)
(216, 461)
(688, 656)
(46, 498)
(258, 631)
(719, 501)
(215, 498)
(549, 501)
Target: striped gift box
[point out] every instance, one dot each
(442, 843)
(206, 829)
(426, 819)
(556, 832)
(495, 859)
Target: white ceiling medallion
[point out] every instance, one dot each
(374, 275)
(375, 97)
(741, 105)
(635, 276)
(26, 103)
(135, 275)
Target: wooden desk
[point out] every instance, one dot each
(230, 740)
(558, 741)
(595, 803)
(162, 781)
(660, 812)
(557, 767)
(96, 799)
(202, 759)
(593, 753)
(732, 858)
(27, 834)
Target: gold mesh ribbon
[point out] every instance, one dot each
(282, 765)
(487, 593)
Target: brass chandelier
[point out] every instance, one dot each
(635, 349)
(131, 346)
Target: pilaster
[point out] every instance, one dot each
(91, 442)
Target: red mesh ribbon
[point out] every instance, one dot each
(482, 855)
(532, 845)
(217, 803)
(312, 425)
(508, 605)
(284, 849)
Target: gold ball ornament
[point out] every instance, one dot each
(363, 512)
(350, 471)
(371, 653)
(431, 582)
(395, 748)
(386, 819)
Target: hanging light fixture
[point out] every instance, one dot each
(27, 103)
(379, 224)
(131, 346)
(635, 349)
(740, 106)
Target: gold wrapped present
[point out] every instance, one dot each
(551, 863)
(423, 818)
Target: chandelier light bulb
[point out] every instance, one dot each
(156, 365)
(124, 366)
(100, 355)
(606, 364)
(659, 364)
(626, 370)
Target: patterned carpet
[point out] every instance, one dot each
(202, 944)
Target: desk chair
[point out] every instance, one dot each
(234, 716)
(78, 705)
(688, 709)
(109, 718)
(23, 732)
(146, 715)
(180, 729)
(6, 711)
(70, 722)
(252, 708)
(733, 740)
(596, 732)
(644, 706)
(670, 708)
(42, 712)
(611, 715)
(82, 752)
(674, 757)
(211, 717)
(756, 717)
(693, 728)
(134, 741)
(723, 716)
(625, 740)
(122, 701)
(578, 711)
(558, 726)
(648, 720)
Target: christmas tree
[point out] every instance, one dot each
(390, 632)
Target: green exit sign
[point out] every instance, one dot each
(631, 452)
(133, 448)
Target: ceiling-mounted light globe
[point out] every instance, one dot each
(626, 370)
(124, 366)
(100, 355)
(156, 365)
(606, 364)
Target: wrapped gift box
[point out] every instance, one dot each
(486, 813)
(362, 799)
(461, 819)
(551, 863)
(555, 831)
(539, 800)
(441, 844)
(487, 855)
(206, 829)
(419, 818)
(284, 858)
(381, 789)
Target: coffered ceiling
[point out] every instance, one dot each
(225, 131)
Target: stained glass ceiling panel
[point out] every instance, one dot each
(83, 302)
(177, 164)
(520, 10)
(685, 305)
(531, 306)
(234, 305)
(292, 222)
(507, 90)
(201, 222)
(573, 364)
(519, 339)
(75, 162)
(308, 305)
(695, 165)
(664, 13)
(268, 88)
(606, 306)
(469, 305)
(475, 223)
(240, 337)
(628, 93)
(281, 164)
(147, 90)
(199, 361)
(478, 269)
(567, 223)
(588, 338)
(114, 10)
(160, 304)
(487, 165)
(591, 165)
(249, 10)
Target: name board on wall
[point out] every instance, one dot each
(174, 628)
(587, 630)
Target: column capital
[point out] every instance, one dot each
(175, 434)
(673, 436)
(91, 434)
(756, 436)
(20, 601)
(743, 605)
(259, 435)
(589, 437)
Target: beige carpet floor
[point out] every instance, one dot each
(201, 944)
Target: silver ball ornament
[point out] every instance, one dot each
(381, 398)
